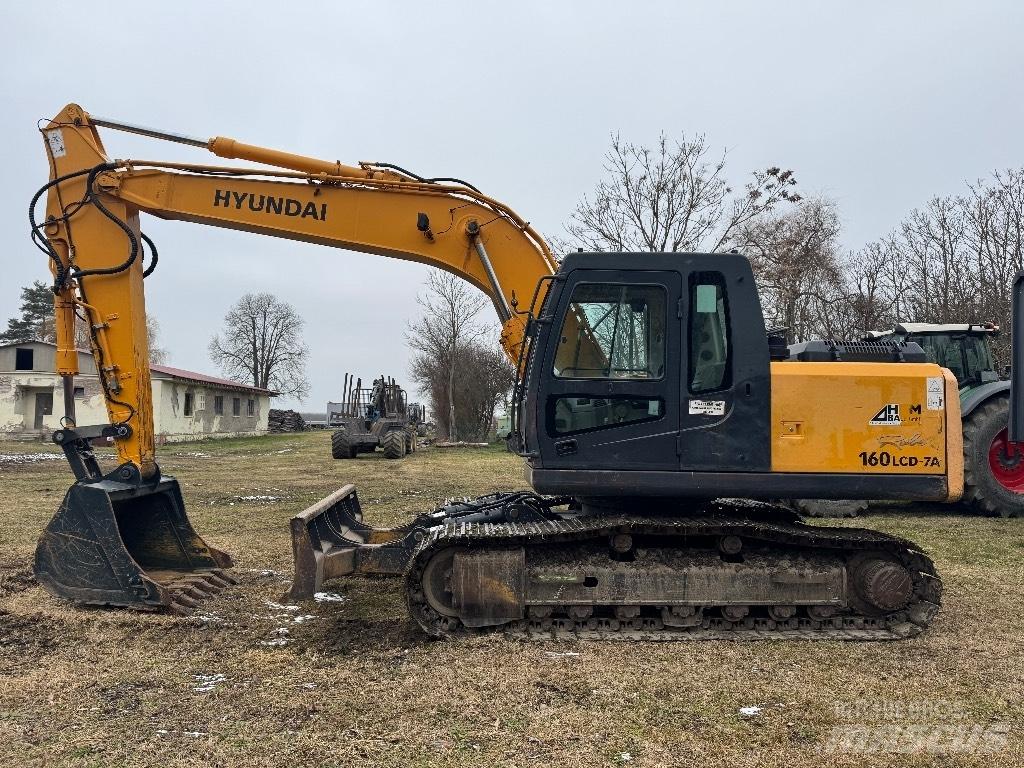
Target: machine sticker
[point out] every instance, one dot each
(886, 459)
(888, 416)
(55, 139)
(936, 393)
(707, 407)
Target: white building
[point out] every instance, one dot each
(186, 405)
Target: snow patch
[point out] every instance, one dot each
(280, 607)
(329, 597)
(207, 683)
(750, 711)
(28, 458)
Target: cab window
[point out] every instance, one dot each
(710, 367)
(613, 331)
(571, 415)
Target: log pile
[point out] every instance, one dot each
(285, 421)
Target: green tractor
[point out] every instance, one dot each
(993, 466)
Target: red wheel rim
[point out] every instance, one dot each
(1006, 460)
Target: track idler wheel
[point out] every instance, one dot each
(883, 584)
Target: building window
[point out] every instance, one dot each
(79, 391)
(188, 403)
(218, 405)
(202, 401)
(23, 359)
(252, 408)
(236, 406)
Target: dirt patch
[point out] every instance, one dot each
(25, 640)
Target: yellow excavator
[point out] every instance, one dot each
(648, 395)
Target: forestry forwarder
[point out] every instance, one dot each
(646, 391)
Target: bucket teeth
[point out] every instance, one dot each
(181, 599)
(220, 580)
(178, 609)
(189, 590)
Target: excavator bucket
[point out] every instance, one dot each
(127, 544)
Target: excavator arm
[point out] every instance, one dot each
(100, 257)
(97, 248)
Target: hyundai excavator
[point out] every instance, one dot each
(648, 396)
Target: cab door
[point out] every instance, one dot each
(611, 377)
(725, 380)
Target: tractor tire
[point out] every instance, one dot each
(340, 446)
(993, 467)
(829, 507)
(393, 444)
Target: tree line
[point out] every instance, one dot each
(952, 260)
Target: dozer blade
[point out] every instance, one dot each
(330, 539)
(128, 545)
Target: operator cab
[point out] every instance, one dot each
(639, 375)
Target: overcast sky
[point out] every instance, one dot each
(877, 104)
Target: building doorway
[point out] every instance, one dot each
(44, 407)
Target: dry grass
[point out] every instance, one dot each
(358, 685)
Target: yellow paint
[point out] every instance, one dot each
(821, 414)
(954, 438)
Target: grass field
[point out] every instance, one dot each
(352, 681)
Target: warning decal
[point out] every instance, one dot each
(707, 407)
(936, 393)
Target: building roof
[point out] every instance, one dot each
(174, 373)
(202, 378)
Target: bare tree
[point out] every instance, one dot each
(262, 344)
(672, 198)
(450, 307)
(157, 354)
(952, 260)
(795, 259)
(483, 380)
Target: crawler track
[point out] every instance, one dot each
(773, 542)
